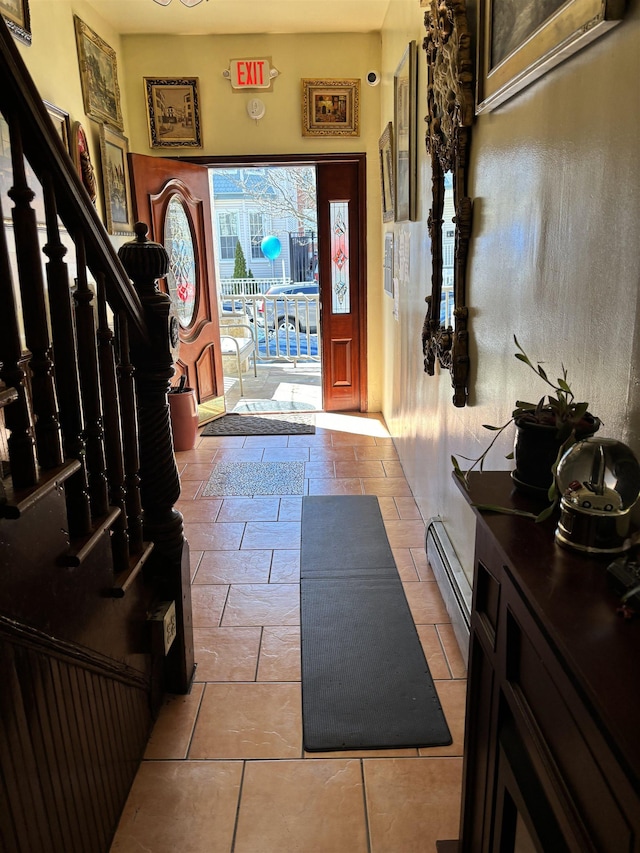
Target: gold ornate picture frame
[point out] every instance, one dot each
(98, 76)
(62, 123)
(387, 187)
(331, 107)
(519, 41)
(115, 181)
(173, 112)
(17, 18)
(405, 88)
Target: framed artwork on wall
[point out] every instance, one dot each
(115, 180)
(16, 17)
(98, 76)
(60, 119)
(331, 107)
(405, 123)
(519, 41)
(82, 159)
(173, 112)
(387, 187)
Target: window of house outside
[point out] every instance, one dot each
(257, 232)
(228, 232)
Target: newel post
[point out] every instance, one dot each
(146, 262)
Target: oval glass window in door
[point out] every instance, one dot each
(181, 278)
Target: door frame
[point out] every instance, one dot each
(360, 160)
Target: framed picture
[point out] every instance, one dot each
(519, 41)
(115, 180)
(331, 107)
(173, 112)
(60, 118)
(98, 76)
(405, 95)
(388, 263)
(16, 17)
(81, 157)
(385, 146)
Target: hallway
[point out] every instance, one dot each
(225, 771)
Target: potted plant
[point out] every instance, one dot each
(544, 432)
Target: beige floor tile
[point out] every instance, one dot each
(327, 486)
(424, 570)
(207, 604)
(407, 507)
(290, 509)
(341, 439)
(214, 537)
(392, 468)
(412, 803)
(405, 534)
(249, 509)
(194, 562)
(365, 753)
(234, 567)
(285, 567)
(202, 454)
(331, 454)
(382, 451)
(266, 441)
(286, 454)
(319, 470)
(222, 442)
(226, 654)
(368, 468)
(452, 651)
(405, 565)
(452, 696)
(196, 471)
(433, 651)
(248, 721)
(173, 729)
(394, 486)
(279, 654)
(189, 489)
(180, 805)
(241, 454)
(199, 510)
(425, 602)
(388, 508)
(271, 534)
(305, 806)
(262, 604)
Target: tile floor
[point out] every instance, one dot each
(225, 771)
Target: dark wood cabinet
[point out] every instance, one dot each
(552, 743)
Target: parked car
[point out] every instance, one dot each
(291, 307)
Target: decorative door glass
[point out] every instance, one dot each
(181, 278)
(339, 223)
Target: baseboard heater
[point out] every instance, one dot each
(452, 581)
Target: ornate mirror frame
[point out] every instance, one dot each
(450, 114)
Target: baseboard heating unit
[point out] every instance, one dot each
(452, 581)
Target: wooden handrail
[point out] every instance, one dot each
(46, 153)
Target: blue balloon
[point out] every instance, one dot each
(271, 247)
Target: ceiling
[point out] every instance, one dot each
(244, 16)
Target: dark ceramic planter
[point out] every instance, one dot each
(536, 450)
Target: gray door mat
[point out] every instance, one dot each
(365, 681)
(292, 423)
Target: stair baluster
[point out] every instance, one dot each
(66, 361)
(90, 386)
(112, 431)
(129, 420)
(21, 443)
(29, 258)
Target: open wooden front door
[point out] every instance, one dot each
(172, 198)
(341, 261)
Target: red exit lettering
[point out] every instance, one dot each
(250, 73)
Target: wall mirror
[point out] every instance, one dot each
(447, 44)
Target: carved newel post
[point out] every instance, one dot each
(146, 262)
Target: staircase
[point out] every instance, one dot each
(93, 560)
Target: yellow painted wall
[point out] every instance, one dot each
(555, 179)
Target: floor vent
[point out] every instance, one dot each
(452, 581)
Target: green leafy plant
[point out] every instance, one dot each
(559, 409)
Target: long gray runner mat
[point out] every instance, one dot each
(365, 680)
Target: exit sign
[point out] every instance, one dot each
(252, 73)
